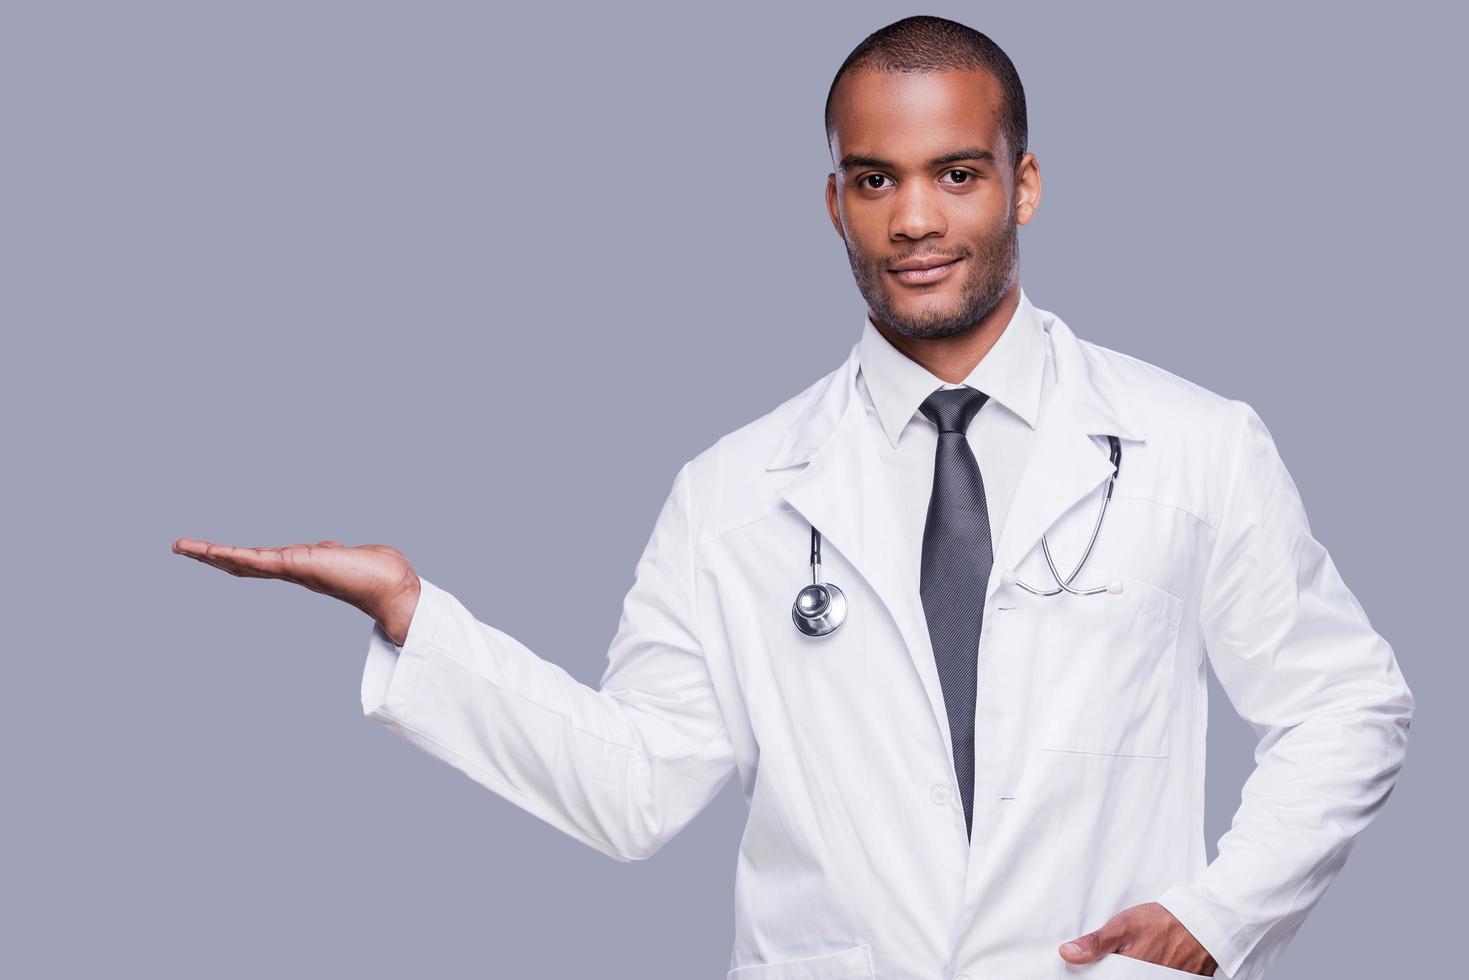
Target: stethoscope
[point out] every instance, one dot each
(821, 607)
(1114, 587)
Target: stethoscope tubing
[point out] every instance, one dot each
(1065, 584)
(821, 608)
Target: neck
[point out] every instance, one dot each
(953, 358)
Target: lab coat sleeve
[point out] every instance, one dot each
(1295, 654)
(621, 769)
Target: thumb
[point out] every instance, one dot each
(1084, 949)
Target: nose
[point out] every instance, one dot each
(917, 213)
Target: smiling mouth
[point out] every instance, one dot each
(920, 277)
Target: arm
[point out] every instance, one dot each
(621, 769)
(1299, 661)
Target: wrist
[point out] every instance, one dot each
(400, 608)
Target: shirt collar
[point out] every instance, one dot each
(1010, 372)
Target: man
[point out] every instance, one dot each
(993, 765)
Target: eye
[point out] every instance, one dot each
(965, 176)
(866, 177)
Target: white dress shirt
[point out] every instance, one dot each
(1013, 374)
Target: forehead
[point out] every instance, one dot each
(903, 116)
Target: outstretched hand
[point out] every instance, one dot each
(375, 578)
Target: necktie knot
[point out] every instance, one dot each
(952, 409)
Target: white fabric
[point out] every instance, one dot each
(1091, 712)
(893, 386)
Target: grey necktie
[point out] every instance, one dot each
(957, 554)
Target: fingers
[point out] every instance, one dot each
(1084, 949)
(1108, 939)
(203, 551)
(282, 563)
(236, 561)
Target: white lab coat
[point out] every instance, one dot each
(1090, 721)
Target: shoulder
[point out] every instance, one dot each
(731, 483)
(1166, 402)
(1191, 433)
(1160, 397)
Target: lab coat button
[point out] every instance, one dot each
(938, 791)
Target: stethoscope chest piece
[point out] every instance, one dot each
(819, 609)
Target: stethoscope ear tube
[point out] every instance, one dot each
(1113, 587)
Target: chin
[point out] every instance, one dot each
(939, 305)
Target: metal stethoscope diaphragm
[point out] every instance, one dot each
(820, 607)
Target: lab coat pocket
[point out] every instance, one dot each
(1103, 667)
(1115, 966)
(848, 964)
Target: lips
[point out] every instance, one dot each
(913, 272)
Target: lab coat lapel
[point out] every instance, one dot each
(843, 492)
(1065, 464)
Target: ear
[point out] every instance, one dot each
(832, 209)
(1027, 188)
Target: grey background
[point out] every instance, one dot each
(476, 284)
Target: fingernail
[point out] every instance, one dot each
(1072, 948)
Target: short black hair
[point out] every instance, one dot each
(923, 44)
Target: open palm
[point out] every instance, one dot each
(375, 578)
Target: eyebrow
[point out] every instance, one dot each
(852, 160)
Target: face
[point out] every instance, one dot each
(923, 176)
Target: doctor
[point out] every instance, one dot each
(977, 760)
